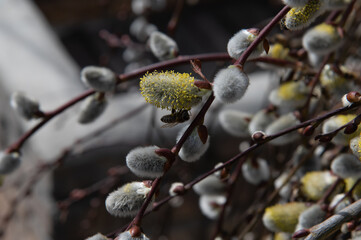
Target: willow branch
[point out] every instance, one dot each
(121, 78)
(334, 223)
(264, 32)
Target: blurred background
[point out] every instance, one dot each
(43, 46)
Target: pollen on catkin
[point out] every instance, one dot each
(331, 79)
(170, 90)
(92, 107)
(193, 148)
(346, 165)
(9, 162)
(128, 236)
(289, 95)
(356, 193)
(283, 122)
(127, 200)
(355, 146)
(144, 162)
(100, 79)
(162, 46)
(336, 122)
(235, 122)
(27, 107)
(238, 44)
(322, 39)
(316, 183)
(230, 84)
(301, 17)
(256, 172)
(278, 51)
(283, 217)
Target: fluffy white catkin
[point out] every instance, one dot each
(230, 84)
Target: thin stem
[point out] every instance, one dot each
(334, 223)
(346, 14)
(231, 184)
(175, 62)
(349, 193)
(121, 78)
(173, 23)
(241, 61)
(197, 120)
(48, 116)
(274, 194)
(329, 191)
(313, 85)
(138, 218)
(241, 155)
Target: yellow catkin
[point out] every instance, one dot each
(278, 51)
(343, 119)
(170, 90)
(316, 183)
(283, 217)
(330, 79)
(356, 193)
(299, 17)
(291, 91)
(359, 145)
(326, 28)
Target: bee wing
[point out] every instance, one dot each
(168, 125)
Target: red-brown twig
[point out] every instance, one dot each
(121, 78)
(264, 32)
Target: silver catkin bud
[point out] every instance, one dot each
(97, 236)
(238, 44)
(335, 4)
(346, 165)
(230, 84)
(100, 79)
(211, 185)
(235, 122)
(141, 29)
(280, 124)
(322, 39)
(193, 148)
(311, 216)
(27, 107)
(128, 236)
(340, 205)
(162, 46)
(127, 200)
(211, 206)
(144, 162)
(256, 173)
(92, 107)
(295, 3)
(260, 121)
(9, 162)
